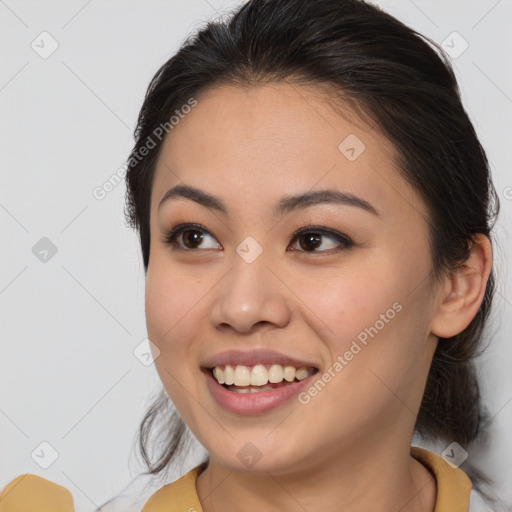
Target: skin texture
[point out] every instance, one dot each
(351, 442)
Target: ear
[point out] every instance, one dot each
(463, 291)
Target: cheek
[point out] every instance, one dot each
(372, 316)
(172, 307)
(171, 299)
(173, 316)
(341, 304)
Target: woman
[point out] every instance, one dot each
(315, 214)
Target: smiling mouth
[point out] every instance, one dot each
(258, 378)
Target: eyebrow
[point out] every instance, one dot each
(285, 205)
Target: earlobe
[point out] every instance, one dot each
(463, 291)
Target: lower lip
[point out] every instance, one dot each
(254, 403)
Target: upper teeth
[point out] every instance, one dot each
(258, 375)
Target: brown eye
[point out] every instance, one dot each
(310, 239)
(189, 237)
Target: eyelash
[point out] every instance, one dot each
(344, 241)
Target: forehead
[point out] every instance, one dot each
(275, 137)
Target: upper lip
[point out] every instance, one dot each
(254, 357)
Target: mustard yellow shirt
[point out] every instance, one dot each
(31, 493)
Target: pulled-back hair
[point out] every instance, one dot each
(396, 80)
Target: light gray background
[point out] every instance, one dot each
(68, 375)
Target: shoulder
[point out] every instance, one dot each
(453, 485)
(147, 493)
(30, 492)
(181, 494)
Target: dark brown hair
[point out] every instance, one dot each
(396, 79)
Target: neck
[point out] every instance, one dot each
(378, 477)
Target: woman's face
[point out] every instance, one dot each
(349, 298)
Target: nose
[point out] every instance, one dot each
(250, 298)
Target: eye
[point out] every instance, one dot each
(191, 236)
(310, 239)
